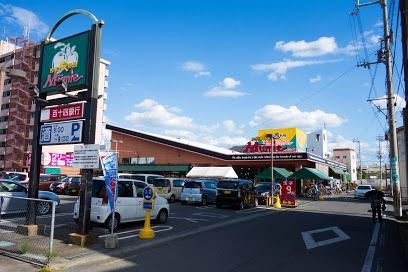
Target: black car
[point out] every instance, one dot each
(263, 189)
(239, 193)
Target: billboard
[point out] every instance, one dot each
(65, 60)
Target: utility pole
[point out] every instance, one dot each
(392, 132)
(359, 157)
(379, 153)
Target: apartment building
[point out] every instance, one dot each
(17, 105)
(347, 156)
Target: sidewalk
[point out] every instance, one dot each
(9, 264)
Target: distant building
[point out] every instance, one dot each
(317, 143)
(347, 156)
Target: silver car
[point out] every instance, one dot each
(361, 191)
(8, 204)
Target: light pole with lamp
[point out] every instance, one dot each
(116, 142)
(359, 157)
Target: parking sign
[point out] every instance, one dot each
(61, 133)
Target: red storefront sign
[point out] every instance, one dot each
(63, 113)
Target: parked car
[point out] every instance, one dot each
(46, 180)
(199, 191)
(148, 178)
(21, 177)
(129, 205)
(263, 189)
(169, 188)
(361, 191)
(74, 185)
(14, 189)
(240, 193)
(62, 186)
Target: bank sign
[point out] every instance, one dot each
(65, 60)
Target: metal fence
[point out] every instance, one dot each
(27, 228)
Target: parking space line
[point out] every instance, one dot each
(155, 231)
(193, 220)
(253, 210)
(213, 215)
(134, 230)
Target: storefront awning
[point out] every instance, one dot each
(309, 173)
(337, 171)
(278, 173)
(154, 167)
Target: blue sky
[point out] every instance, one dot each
(217, 71)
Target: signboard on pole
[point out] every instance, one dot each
(148, 198)
(86, 156)
(63, 113)
(61, 133)
(65, 60)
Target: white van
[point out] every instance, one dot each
(129, 205)
(169, 188)
(148, 178)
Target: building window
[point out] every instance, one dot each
(317, 137)
(3, 131)
(33, 101)
(126, 160)
(3, 119)
(7, 81)
(1, 157)
(344, 157)
(6, 94)
(3, 144)
(30, 142)
(5, 106)
(32, 115)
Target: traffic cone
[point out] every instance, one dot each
(147, 232)
(277, 203)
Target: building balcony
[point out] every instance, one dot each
(2, 164)
(5, 100)
(4, 112)
(3, 125)
(3, 137)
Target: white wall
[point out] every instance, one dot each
(317, 143)
(348, 157)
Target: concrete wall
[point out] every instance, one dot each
(317, 143)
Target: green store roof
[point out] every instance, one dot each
(309, 173)
(278, 173)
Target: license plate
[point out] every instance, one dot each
(227, 192)
(73, 190)
(189, 199)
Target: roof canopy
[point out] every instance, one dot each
(212, 172)
(309, 173)
(278, 173)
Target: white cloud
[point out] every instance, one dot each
(279, 69)
(126, 86)
(315, 79)
(278, 116)
(158, 115)
(371, 40)
(226, 88)
(23, 18)
(319, 47)
(197, 68)
(230, 83)
(228, 125)
(382, 102)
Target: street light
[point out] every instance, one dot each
(116, 142)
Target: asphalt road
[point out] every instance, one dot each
(274, 240)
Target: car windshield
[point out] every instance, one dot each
(159, 183)
(263, 186)
(364, 187)
(192, 184)
(227, 184)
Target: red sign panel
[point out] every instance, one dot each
(288, 194)
(62, 113)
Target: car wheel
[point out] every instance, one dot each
(204, 201)
(43, 208)
(108, 222)
(162, 216)
(241, 205)
(172, 198)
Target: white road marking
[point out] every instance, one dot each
(371, 250)
(155, 231)
(253, 210)
(213, 215)
(193, 220)
(136, 230)
(311, 243)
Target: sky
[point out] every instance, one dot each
(217, 71)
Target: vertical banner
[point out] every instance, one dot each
(109, 161)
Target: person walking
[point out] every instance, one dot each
(377, 204)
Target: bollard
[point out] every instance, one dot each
(277, 203)
(147, 232)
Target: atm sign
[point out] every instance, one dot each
(61, 113)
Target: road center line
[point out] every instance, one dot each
(371, 250)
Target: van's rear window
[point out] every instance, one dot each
(98, 188)
(192, 184)
(224, 184)
(159, 183)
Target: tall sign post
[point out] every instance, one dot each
(66, 65)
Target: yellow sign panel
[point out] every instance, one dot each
(285, 139)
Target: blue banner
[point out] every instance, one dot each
(109, 161)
